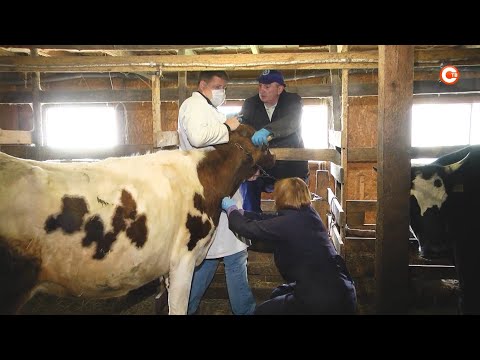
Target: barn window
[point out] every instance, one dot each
(445, 124)
(81, 126)
(314, 124)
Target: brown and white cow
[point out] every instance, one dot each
(101, 229)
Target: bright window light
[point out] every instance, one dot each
(229, 110)
(475, 129)
(442, 124)
(83, 127)
(314, 124)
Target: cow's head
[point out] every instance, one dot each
(429, 207)
(261, 157)
(222, 171)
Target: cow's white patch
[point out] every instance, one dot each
(427, 194)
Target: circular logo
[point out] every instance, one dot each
(266, 72)
(449, 75)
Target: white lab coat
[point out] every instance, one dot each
(200, 125)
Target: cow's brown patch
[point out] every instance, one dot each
(118, 220)
(123, 215)
(18, 276)
(198, 230)
(199, 203)
(129, 205)
(94, 233)
(137, 231)
(71, 217)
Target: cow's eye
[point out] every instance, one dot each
(437, 183)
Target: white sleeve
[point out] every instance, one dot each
(204, 127)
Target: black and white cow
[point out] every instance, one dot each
(444, 210)
(101, 229)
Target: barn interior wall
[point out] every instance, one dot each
(361, 184)
(361, 181)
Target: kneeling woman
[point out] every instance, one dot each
(318, 280)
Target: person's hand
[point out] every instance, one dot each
(260, 137)
(232, 123)
(227, 202)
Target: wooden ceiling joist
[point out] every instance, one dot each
(229, 62)
(352, 60)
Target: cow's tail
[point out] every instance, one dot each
(18, 276)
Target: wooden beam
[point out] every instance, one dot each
(344, 128)
(306, 154)
(370, 154)
(395, 88)
(362, 154)
(322, 182)
(336, 84)
(338, 241)
(146, 63)
(182, 83)
(449, 56)
(336, 209)
(337, 172)
(356, 210)
(433, 152)
(111, 47)
(38, 125)
(255, 49)
(234, 92)
(156, 105)
(15, 137)
(432, 271)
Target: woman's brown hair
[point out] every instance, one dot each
(291, 193)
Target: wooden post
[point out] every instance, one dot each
(344, 158)
(182, 83)
(37, 106)
(336, 94)
(156, 106)
(395, 94)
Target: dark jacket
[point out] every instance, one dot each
(285, 128)
(303, 254)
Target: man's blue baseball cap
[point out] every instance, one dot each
(270, 76)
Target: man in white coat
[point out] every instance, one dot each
(201, 125)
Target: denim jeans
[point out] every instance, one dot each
(241, 298)
(252, 192)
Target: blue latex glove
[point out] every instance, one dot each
(228, 202)
(260, 137)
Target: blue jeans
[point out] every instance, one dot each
(241, 298)
(252, 192)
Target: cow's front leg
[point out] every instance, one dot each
(180, 281)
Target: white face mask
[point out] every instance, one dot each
(218, 97)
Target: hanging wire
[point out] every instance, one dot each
(111, 82)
